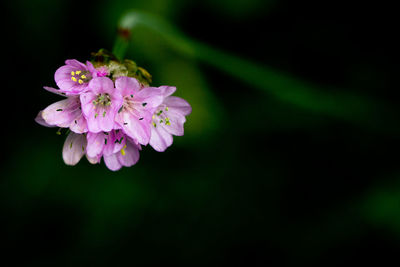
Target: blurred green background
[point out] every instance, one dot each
(290, 156)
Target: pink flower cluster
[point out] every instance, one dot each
(111, 116)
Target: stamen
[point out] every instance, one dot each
(83, 76)
(154, 124)
(60, 109)
(166, 108)
(95, 115)
(167, 122)
(104, 113)
(78, 72)
(144, 104)
(70, 146)
(72, 73)
(159, 113)
(73, 78)
(123, 150)
(80, 81)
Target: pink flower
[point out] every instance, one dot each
(66, 113)
(127, 156)
(138, 106)
(105, 143)
(115, 147)
(100, 104)
(73, 78)
(168, 119)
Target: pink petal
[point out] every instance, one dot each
(54, 90)
(100, 85)
(95, 144)
(151, 96)
(112, 162)
(79, 124)
(39, 119)
(160, 140)
(130, 157)
(59, 113)
(134, 128)
(93, 160)
(176, 121)
(127, 85)
(167, 90)
(74, 148)
(178, 105)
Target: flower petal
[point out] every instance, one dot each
(133, 127)
(39, 119)
(54, 90)
(74, 148)
(127, 85)
(176, 121)
(95, 144)
(160, 140)
(178, 105)
(129, 156)
(59, 113)
(112, 162)
(167, 90)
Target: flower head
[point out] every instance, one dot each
(111, 111)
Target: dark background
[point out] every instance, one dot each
(255, 181)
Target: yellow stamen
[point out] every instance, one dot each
(123, 150)
(83, 76)
(167, 121)
(72, 73)
(154, 116)
(166, 108)
(80, 81)
(73, 78)
(78, 72)
(154, 124)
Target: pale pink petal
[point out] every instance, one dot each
(76, 64)
(100, 85)
(160, 140)
(178, 105)
(79, 124)
(129, 156)
(93, 160)
(74, 148)
(167, 90)
(54, 90)
(95, 144)
(112, 162)
(150, 97)
(39, 119)
(127, 85)
(59, 113)
(176, 122)
(134, 127)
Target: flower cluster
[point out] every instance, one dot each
(111, 111)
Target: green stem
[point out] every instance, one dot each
(337, 103)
